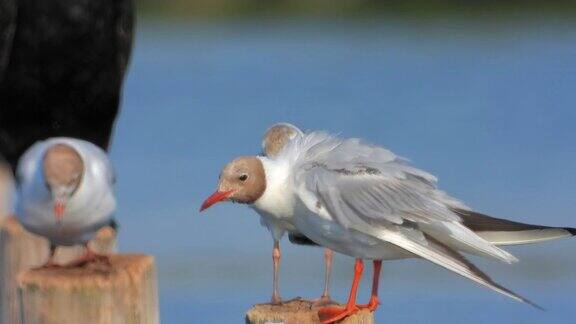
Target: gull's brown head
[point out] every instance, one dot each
(242, 180)
(63, 171)
(277, 136)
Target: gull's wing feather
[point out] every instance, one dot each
(505, 232)
(369, 190)
(444, 256)
(361, 183)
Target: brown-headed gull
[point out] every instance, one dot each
(65, 193)
(364, 201)
(275, 138)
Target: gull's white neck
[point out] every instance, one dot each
(277, 201)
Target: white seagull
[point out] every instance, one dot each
(364, 201)
(275, 138)
(65, 193)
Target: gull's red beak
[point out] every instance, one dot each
(216, 197)
(59, 208)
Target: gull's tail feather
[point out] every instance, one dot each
(505, 232)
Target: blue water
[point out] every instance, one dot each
(489, 107)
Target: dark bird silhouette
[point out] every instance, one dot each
(62, 65)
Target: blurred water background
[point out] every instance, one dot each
(482, 96)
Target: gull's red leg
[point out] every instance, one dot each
(374, 302)
(325, 298)
(332, 314)
(276, 264)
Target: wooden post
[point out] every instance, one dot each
(21, 250)
(297, 311)
(122, 292)
(5, 190)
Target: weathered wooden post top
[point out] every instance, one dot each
(122, 291)
(298, 311)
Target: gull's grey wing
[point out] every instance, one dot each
(505, 232)
(7, 29)
(368, 189)
(361, 187)
(320, 148)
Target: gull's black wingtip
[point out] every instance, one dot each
(538, 307)
(571, 230)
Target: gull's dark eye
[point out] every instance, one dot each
(243, 177)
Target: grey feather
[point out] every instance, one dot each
(505, 232)
(478, 275)
(439, 253)
(361, 183)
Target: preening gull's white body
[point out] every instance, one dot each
(364, 201)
